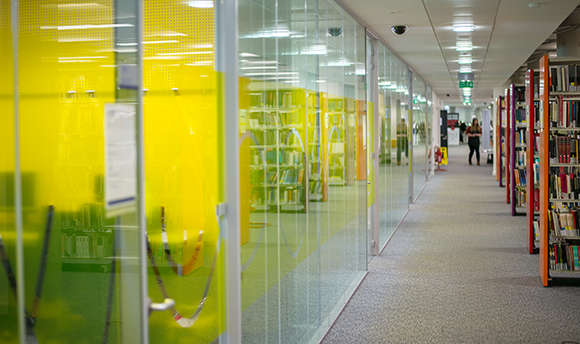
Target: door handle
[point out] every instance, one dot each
(167, 304)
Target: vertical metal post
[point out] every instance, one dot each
(227, 66)
(142, 220)
(14, 9)
(373, 97)
(410, 139)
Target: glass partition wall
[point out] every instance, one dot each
(79, 147)
(9, 273)
(303, 166)
(419, 135)
(113, 192)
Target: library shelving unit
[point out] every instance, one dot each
(519, 126)
(506, 149)
(336, 141)
(497, 138)
(502, 141)
(559, 112)
(532, 160)
(315, 148)
(278, 155)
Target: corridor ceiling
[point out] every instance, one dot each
(493, 37)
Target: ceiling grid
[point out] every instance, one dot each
(492, 38)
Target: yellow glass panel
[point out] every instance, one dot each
(8, 310)
(183, 169)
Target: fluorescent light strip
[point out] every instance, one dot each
(80, 57)
(200, 3)
(84, 27)
(463, 27)
(259, 67)
(271, 73)
(187, 53)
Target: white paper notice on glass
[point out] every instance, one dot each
(120, 159)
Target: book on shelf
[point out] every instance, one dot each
(520, 177)
(564, 186)
(520, 159)
(564, 149)
(564, 113)
(536, 230)
(564, 78)
(563, 223)
(564, 257)
(520, 115)
(520, 137)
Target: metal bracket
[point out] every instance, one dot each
(158, 307)
(221, 209)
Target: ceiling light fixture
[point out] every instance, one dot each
(465, 60)
(463, 27)
(465, 48)
(200, 3)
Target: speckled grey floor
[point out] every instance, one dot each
(457, 271)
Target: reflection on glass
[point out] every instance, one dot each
(81, 243)
(183, 171)
(419, 135)
(398, 90)
(303, 165)
(8, 310)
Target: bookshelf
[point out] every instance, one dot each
(502, 141)
(559, 113)
(497, 137)
(336, 141)
(518, 140)
(532, 158)
(506, 149)
(315, 151)
(278, 153)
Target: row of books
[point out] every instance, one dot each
(563, 223)
(520, 114)
(520, 158)
(564, 78)
(520, 177)
(315, 188)
(564, 149)
(564, 257)
(565, 113)
(536, 168)
(86, 245)
(520, 198)
(281, 157)
(520, 137)
(564, 186)
(284, 98)
(287, 176)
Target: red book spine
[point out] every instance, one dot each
(561, 111)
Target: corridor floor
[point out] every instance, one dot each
(457, 271)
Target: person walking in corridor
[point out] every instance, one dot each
(473, 135)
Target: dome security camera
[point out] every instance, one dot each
(399, 29)
(335, 31)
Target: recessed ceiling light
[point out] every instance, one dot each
(200, 3)
(465, 69)
(466, 48)
(465, 60)
(463, 27)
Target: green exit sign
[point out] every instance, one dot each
(466, 84)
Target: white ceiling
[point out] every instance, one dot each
(506, 33)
